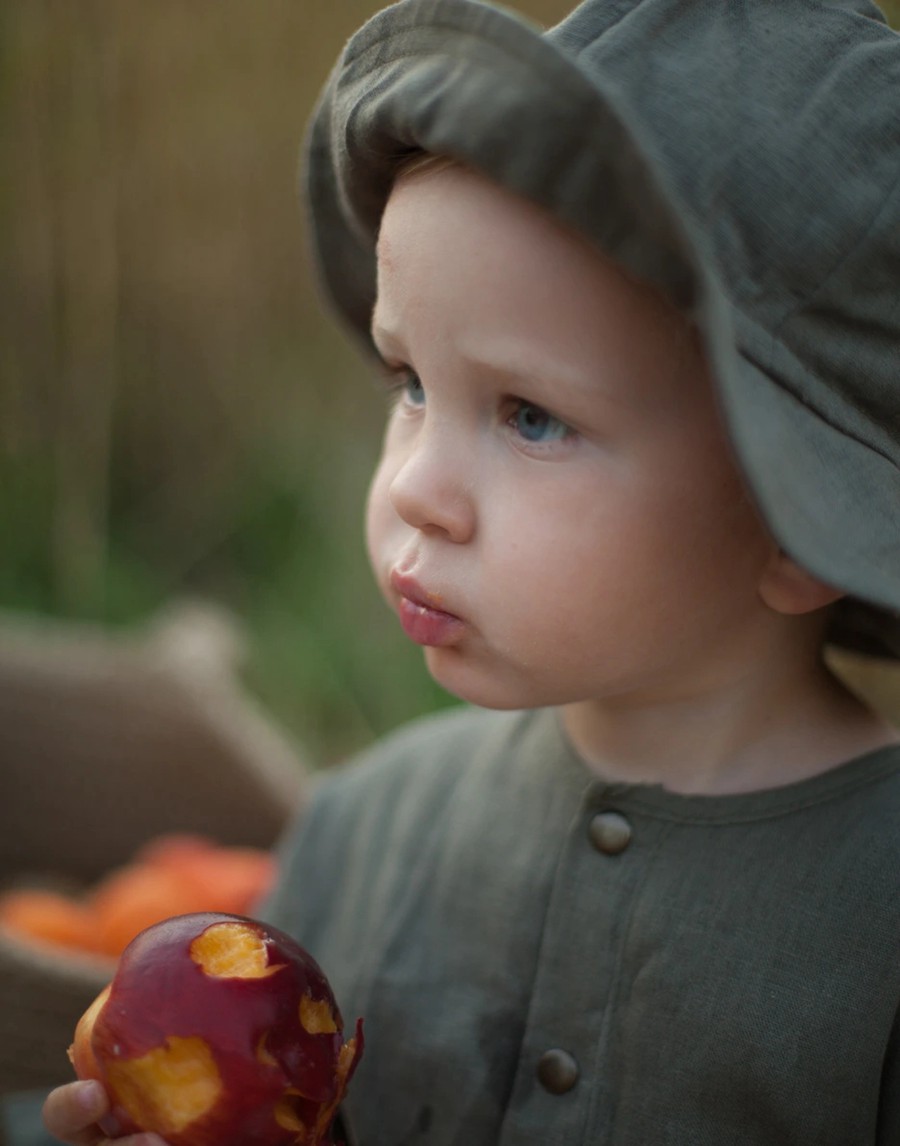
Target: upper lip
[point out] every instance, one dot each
(410, 588)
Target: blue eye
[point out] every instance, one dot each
(412, 389)
(536, 425)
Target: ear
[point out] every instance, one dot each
(788, 588)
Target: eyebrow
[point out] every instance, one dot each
(512, 370)
(388, 340)
(382, 334)
(515, 373)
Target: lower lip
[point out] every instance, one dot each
(427, 626)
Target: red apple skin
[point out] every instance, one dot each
(251, 1025)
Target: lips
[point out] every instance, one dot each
(422, 619)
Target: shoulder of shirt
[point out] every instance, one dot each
(432, 752)
(381, 801)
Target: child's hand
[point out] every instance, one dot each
(71, 1113)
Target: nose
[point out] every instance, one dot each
(433, 489)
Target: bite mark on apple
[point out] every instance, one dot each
(316, 1016)
(233, 951)
(169, 1087)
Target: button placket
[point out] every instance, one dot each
(563, 1072)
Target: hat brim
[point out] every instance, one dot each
(796, 464)
(464, 80)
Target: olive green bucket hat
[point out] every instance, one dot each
(743, 155)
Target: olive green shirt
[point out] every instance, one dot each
(543, 958)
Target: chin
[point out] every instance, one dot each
(481, 686)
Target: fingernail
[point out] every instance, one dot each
(91, 1097)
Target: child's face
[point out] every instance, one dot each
(555, 516)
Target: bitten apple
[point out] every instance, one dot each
(218, 1030)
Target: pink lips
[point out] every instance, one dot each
(422, 621)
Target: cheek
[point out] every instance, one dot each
(722, 525)
(380, 514)
(710, 560)
(622, 551)
(545, 564)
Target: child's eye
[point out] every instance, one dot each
(535, 425)
(404, 386)
(412, 389)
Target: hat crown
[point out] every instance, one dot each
(780, 134)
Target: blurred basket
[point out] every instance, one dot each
(106, 742)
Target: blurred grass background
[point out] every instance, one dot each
(176, 416)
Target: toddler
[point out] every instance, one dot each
(635, 288)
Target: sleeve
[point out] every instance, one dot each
(362, 818)
(302, 883)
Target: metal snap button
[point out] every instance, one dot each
(610, 833)
(557, 1071)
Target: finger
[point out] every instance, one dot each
(143, 1139)
(71, 1112)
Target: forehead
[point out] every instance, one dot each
(448, 217)
(456, 215)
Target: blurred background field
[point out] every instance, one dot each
(177, 416)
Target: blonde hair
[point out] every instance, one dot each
(421, 162)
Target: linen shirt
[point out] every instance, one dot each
(542, 958)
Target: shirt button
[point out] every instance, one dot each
(557, 1071)
(610, 833)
